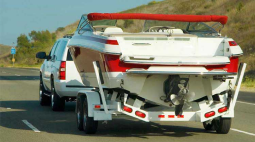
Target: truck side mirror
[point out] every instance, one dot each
(42, 55)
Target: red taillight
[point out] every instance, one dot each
(62, 70)
(140, 114)
(112, 42)
(180, 116)
(161, 116)
(97, 106)
(232, 43)
(223, 109)
(209, 114)
(170, 116)
(127, 109)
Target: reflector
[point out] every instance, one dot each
(223, 109)
(97, 106)
(232, 43)
(127, 109)
(140, 114)
(209, 114)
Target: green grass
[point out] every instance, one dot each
(249, 79)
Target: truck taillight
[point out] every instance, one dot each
(232, 43)
(62, 70)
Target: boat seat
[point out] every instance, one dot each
(113, 30)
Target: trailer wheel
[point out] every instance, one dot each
(43, 99)
(208, 126)
(57, 103)
(79, 112)
(89, 124)
(222, 125)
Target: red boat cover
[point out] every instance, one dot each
(161, 17)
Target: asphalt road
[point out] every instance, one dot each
(19, 101)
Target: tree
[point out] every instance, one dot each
(23, 41)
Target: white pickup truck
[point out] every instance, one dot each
(59, 78)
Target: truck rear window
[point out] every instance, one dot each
(69, 57)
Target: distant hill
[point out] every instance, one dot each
(240, 26)
(4, 50)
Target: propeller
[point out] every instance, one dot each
(179, 100)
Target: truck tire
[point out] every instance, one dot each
(222, 125)
(208, 126)
(43, 99)
(57, 103)
(79, 112)
(89, 124)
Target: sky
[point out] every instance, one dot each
(22, 16)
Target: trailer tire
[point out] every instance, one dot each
(43, 99)
(89, 124)
(57, 103)
(208, 126)
(222, 125)
(79, 112)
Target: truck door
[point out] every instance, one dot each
(47, 72)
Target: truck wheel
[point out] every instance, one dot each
(57, 103)
(43, 99)
(222, 125)
(208, 126)
(79, 112)
(89, 124)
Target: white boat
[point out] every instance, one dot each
(176, 61)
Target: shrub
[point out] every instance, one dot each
(207, 6)
(240, 6)
(152, 2)
(60, 29)
(127, 23)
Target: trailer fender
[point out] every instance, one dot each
(93, 98)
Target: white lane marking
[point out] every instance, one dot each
(31, 126)
(242, 132)
(17, 75)
(245, 103)
(8, 108)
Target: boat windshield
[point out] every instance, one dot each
(196, 28)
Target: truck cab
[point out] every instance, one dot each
(59, 78)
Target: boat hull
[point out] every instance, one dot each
(116, 74)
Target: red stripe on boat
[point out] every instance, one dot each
(114, 64)
(232, 67)
(161, 17)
